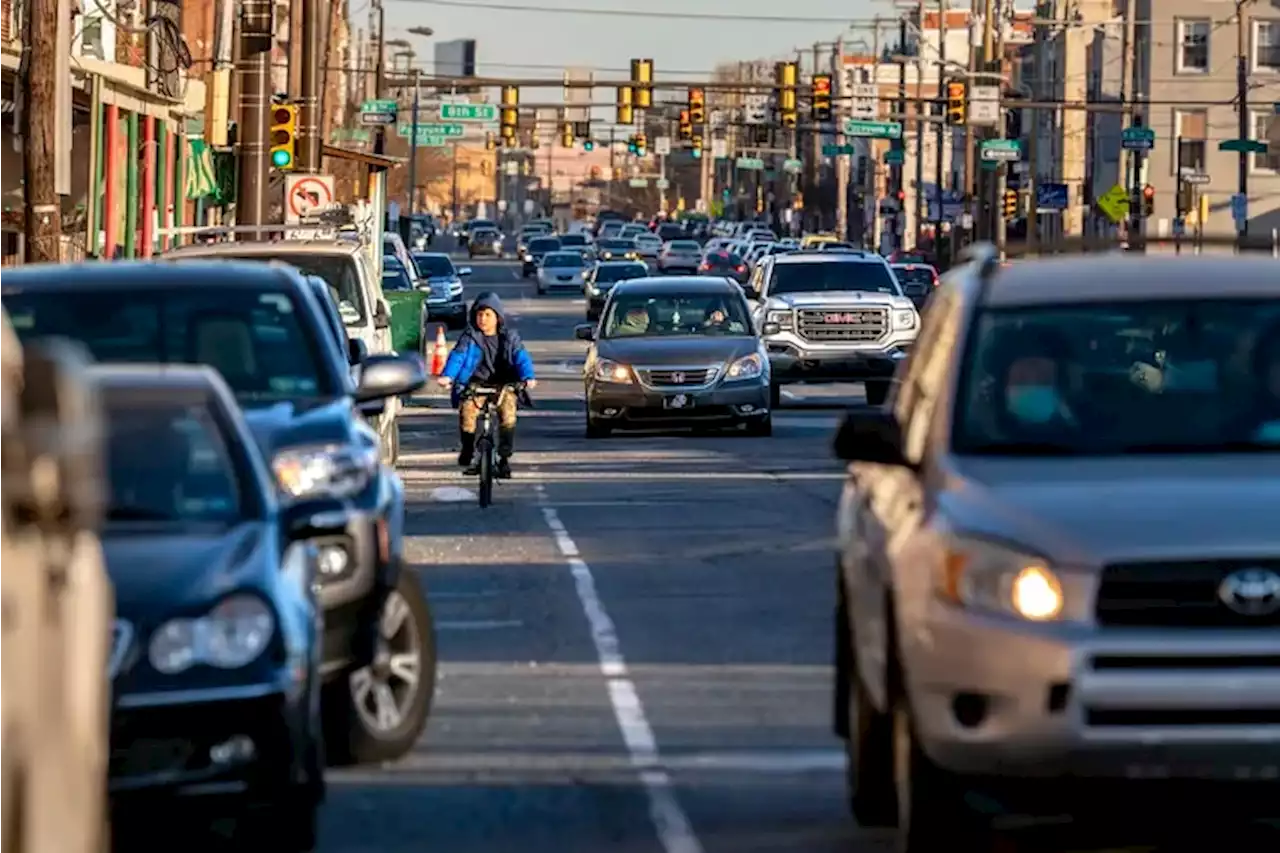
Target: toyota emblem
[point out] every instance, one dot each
(1251, 592)
(677, 378)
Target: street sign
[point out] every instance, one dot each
(1051, 197)
(306, 194)
(662, 183)
(719, 148)
(866, 101)
(446, 130)
(756, 109)
(378, 112)
(1001, 150)
(1114, 203)
(639, 182)
(792, 167)
(469, 112)
(1138, 139)
(662, 145)
(1194, 178)
(984, 106)
(873, 129)
(1245, 146)
(830, 149)
(895, 157)
(753, 164)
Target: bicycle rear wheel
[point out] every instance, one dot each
(486, 476)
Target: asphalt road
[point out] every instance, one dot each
(635, 639)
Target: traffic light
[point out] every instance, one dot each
(588, 145)
(1148, 201)
(490, 141)
(534, 142)
(642, 144)
(284, 136)
(632, 147)
(617, 173)
(511, 141)
(820, 106)
(686, 127)
(1010, 203)
(697, 147)
(642, 82)
(956, 96)
(785, 76)
(510, 114)
(566, 135)
(697, 106)
(625, 114)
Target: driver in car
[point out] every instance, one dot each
(635, 321)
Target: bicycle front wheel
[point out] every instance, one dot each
(486, 478)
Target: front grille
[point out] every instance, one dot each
(690, 377)
(1180, 595)
(843, 324)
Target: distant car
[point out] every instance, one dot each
(632, 230)
(917, 280)
(561, 270)
(617, 249)
(683, 255)
(649, 246)
(669, 231)
(603, 277)
(394, 275)
(534, 252)
(470, 227)
(725, 263)
(692, 359)
(443, 282)
(485, 241)
(580, 243)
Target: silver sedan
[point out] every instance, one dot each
(561, 270)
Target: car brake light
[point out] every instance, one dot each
(741, 268)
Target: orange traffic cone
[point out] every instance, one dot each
(439, 353)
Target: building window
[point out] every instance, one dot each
(1193, 45)
(1266, 127)
(91, 38)
(1192, 130)
(1266, 46)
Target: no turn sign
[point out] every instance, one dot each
(305, 195)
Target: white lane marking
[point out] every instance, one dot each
(479, 625)
(675, 833)
(762, 761)
(451, 494)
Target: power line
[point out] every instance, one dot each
(639, 13)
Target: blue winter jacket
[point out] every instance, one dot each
(468, 351)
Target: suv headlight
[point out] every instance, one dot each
(231, 635)
(988, 576)
(904, 318)
(455, 287)
(782, 318)
(611, 371)
(331, 470)
(747, 367)
(528, 258)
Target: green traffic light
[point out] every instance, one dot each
(697, 154)
(588, 145)
(281, 158)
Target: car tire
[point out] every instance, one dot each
(867, 733)
(761, 427)
(775, 396)
(931, 813)
(350, 738)
(877, 391)
(595, 429)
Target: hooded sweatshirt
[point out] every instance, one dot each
(489, 359)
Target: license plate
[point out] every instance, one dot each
(678, 401)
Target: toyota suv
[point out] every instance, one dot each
(839, 317)
(1059, 554)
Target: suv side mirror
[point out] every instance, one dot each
(584, 332)
(381, 316)
(384, 376)
(463, 272)
(871, 435)
(770, 329)
(357, 351)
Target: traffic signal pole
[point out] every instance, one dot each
(413, 147)
(309, 87)
(253, 69)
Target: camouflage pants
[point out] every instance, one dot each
(469, 413)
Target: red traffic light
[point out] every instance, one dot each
(822, 84)
(281, 115)
(901, 195)
(1148, 192)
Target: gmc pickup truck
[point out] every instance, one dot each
(831, 317)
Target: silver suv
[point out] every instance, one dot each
(831, 317)
(1059, 566)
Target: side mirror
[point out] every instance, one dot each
(870, 435)
(463, 272)
(385, 376)
(381, 316)
(584, 332)
(315, 519)
(770, 329)
(357, 351)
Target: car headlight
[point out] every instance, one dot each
(992, 577)
(747, 367)
(455, 288)
(904, 319)
(331, 470)
(231, 635)
(611, 371)
(528, 258)
(782, 318)
(607, 255)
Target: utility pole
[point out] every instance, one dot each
(815, 158)
(413, 143)
(841, 160)
(919, 110)
(1128, 92)
(39, 115)
(309, 121)
(379, 83)
(1002, 169)
(254, 71)
(971, 208)
(900, 170)
(1242, 110)
(1033, 148)
(944, 132)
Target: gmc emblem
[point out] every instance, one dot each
(842, 318)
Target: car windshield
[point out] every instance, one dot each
(573, 240)
(434, 266)
(633, 231)
(1154, 377)
(477, 224)
(167, 462)
(544, 244)
(608, 273)
(673, 314)
(685, 246)
(338, 271)
(563, 259)
(394, 275)
(914, 278)
(253, 337)
(484, 234)
(868, 277)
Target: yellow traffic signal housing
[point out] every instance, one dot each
(510, 114)
(642, 81)
(686, 127)
(642, 144)
(534, 142)
(490, 141)
(617, 173)
(511, 141)
(698, 106)
(789, 121)
(957, 94)
(625, 112)
(511, 96)
(284, 136)
(820, 105)
(566, 135)
(1010, 204)
(786, 74)
(697, 146)
(1148, 201)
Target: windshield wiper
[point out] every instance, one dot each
(138, 513)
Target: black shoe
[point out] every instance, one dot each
(468, 449)
(504, 469)
(471, 470)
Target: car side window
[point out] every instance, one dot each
(923, 373)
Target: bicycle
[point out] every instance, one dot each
(486, 449)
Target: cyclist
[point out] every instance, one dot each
(488, 354)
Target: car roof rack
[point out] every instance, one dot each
(336, 223)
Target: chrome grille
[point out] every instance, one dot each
(121, 642)
(677, 377)
(1178, 594)
(843, 324)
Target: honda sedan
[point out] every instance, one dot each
(564, 270)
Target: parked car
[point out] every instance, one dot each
(561, 271)
(217, 648)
